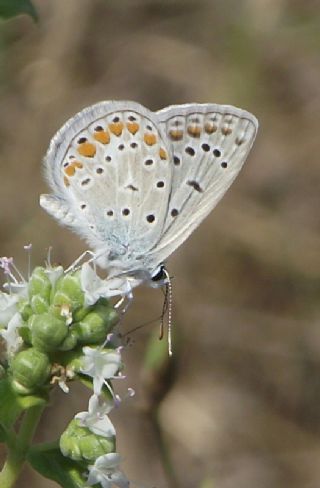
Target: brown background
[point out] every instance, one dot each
(243, 411)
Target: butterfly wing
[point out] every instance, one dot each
(209, 144)
(109, 168)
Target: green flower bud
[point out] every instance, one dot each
(95, 326)
(30, 369)
(79, 443)
(47, 331)
(25, 333)
(25, 309)
(39, 289)
(70, 342)
(68, 292)
(81, 313)
(75, 360)
(39, 304)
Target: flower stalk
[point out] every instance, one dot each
(18, 451)
(57, 329)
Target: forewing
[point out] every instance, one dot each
(209, 144)
(110, 173)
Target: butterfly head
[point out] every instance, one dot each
(159, 277)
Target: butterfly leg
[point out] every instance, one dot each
(126, 299)
(75, 265)
(123, 304)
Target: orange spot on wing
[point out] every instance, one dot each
(163, 154)
(132, 127)
(210, 128)
(70, 170)
(116, 128)
(150, 139)
(87, 149)
(102, 136)
(226, 131)
(175, 134)
(194, 131)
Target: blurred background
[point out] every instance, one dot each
(243, 407)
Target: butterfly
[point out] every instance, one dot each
(136, 183)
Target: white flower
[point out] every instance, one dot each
(96, 419)
(54, 273)
(11, 334)
(15, 281)
(106, 471)
(20, 289)
(8, 307)
(92, 285)
(95, 287)
(100, 365)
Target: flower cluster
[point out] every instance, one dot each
(56, 327)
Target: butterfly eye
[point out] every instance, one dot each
(159, 274)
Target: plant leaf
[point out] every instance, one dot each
(48, 461)
(3, 435)
(11, 8)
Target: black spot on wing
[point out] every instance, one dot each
(195, 185)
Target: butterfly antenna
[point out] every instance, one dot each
(167, 305)
(164, 311)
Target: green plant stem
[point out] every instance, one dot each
(18, 451)
(163, 450)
